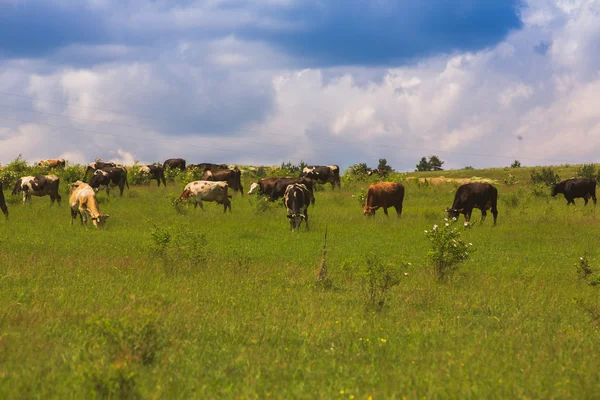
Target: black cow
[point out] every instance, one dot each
(98, 164)
(474, 195)
(40, 185)
(297, 199)
(574, 188)
(175, 163)
(207, 167)
(233, 177)
(3, 203)
(323, 174)
(116, 176)
(156, 171)
(274, 188)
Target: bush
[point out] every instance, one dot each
(547, 177)
(378, 279)
(516, 164)
(510, 180)
(447, 249)
(587, 171)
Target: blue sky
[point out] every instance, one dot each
(266, 81)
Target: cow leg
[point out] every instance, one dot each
(201, 205)
(332, 186)
(586, 199)
(306, 219)
(4, 210)
(468, 215)
(52, 198)
(495, 214)
(385, 211)
(483, 215)
(73, 216)
(107, 190)
(398, 208)
(58, 198)
(121, 187)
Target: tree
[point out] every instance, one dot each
(423, 165)
(383, 167)
(434, 164)
(516, 164)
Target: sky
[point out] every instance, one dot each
(476, 82)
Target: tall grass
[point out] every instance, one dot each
(232, 309)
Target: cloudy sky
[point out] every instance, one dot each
(476, 82)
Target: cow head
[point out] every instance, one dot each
(295, 220)
(186, 194)
(100, 220)
(554, 190)
(254, 188)
(368, 211)
(454, 212)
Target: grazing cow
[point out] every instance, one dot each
(174, 163)
(274, 188)
(41, 185)
(155, 171)
(96, 165)
(2, 202)
(233, 177)
(384, 195)
(207, 191)
(53, 163)
(207, 167)
(296, 200)
(574, 188)
(323, 174)
(474, 195)
(115, 176)
(83, 202)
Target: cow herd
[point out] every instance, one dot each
(297, 193)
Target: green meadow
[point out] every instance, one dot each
(172, 302)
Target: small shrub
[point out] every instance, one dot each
(511, 200)
(448, 250)
(546, 177)
(468, 167)
(516, 164)
(361, 196)
(378, 279)
(583, 268)
(261, 204)
(587, 171)
(510, 180)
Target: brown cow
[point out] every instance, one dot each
(384, 195)
(83, 202)
(53, 163)
(233, 177)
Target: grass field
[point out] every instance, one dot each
(229, 306)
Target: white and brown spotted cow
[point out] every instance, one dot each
(41, 185)
(323, 174)
(83, 202)
(207, 191)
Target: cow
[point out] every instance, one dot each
(207, 191)
(96, 165)
(83, 202)
(53, 163)
(115, 176)
(207, 167)
(474, 195)
(156, 171)
(384, 195)
(297, 199)
(174, 163)
(3, 202)
(574, 188)
(274, 188)
(233, 177)
(323, 174)
(41, 185)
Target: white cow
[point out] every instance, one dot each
(207, 191)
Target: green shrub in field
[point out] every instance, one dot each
(378, 279)
(586, 272)
(184, 247)
(261, 204)
(511, 200)
(361, 196)
(448, 250)
(510, 180)
(587, 171)
(546, 177)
